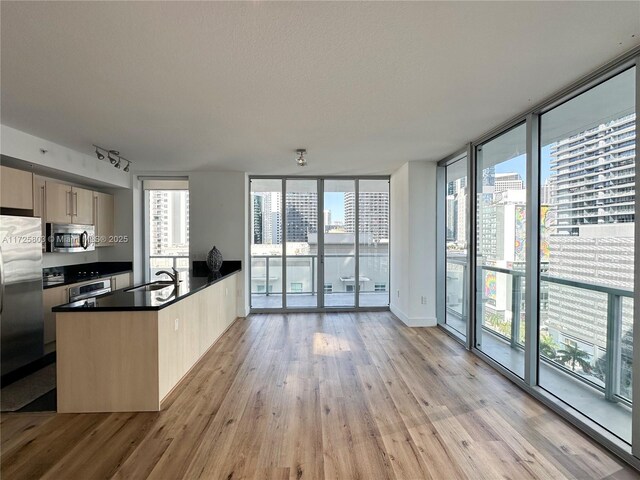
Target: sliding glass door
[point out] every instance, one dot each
(339, 259)
(301, 218)
(266, 242)
(373, 242)
(319, 243)
(500, 251)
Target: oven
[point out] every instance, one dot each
(70, 238)
(88, 291)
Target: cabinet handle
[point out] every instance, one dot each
(75, 203)
(68, 202)
(43, 204)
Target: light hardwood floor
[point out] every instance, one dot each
(312, 396)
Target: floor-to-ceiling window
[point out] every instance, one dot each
(456, 233)
(554, 265)
(373, 241)
(336, 237)
(587, 201)
(301, 220)
(266, 242)
(339, 265)
(166, 225)
(500, 252)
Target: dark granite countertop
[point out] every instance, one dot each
(130, 299)
(69, 274)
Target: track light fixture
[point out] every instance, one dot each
(301, 161)
(113, 156)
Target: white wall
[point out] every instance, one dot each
(217, 216)
(413, 243)
(76, 165)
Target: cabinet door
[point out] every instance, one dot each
(52, 297)
(58, 200)
(103, 216)
(120, 281)
(16, 188)
(82, 206)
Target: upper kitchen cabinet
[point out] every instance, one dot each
(58, 209)
(103, 216)
(17, 188)
(67, 204)
(82, 206)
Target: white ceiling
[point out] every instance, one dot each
(364, 87)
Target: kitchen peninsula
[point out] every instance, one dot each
(125, 351)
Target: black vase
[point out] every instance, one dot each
(214, 260)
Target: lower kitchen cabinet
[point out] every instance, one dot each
(52, 297)
(120, 281)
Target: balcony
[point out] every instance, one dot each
(590, 370)
(339, 284)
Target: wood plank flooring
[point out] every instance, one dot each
(313, 396)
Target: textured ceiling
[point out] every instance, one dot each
(364, 87)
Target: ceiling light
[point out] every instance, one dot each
(113, 156)
(301, 161)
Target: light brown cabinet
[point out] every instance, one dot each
(120, 281)
(82, 202)
(67, 204)
(52, 297)
(58, 202)
(103, 208)
(16, 188)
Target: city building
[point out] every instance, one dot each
(373, 211)
(169, 222)
(594, 175)
(508, 181)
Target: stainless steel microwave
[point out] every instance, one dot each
(70, 238)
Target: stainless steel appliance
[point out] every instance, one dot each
(70, 238)
(21, 322)
(90, 290)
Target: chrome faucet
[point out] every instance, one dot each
(173, 276)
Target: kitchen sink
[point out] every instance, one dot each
(150, 287)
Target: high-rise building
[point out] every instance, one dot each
(594, 174)
(258, 220)
(169, 222)
(373, 211)
(302, 215)
(592, 191)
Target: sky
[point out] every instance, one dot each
(518, 165)
(334, 201)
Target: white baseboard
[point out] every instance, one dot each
(413, 321)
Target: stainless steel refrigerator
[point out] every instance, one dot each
(21, 320)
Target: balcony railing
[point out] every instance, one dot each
(266, 274)
(612, 385)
